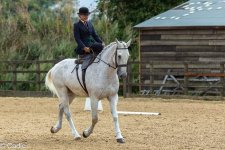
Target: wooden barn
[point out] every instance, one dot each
(191, 32)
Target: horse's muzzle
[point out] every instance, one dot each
(121, 74)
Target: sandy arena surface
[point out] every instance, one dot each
(184, 124)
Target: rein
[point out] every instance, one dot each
(104, 62)
(122, 65)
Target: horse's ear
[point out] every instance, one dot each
(128, 43)
(117, 41)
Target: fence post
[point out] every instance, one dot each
(14, 80)
(151, 77)
(129, 79)
(124, 87)
(222, 92)
(185, 79)
(38, 82)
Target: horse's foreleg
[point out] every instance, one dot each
(113, 105)
(58, 125)
(94, 107)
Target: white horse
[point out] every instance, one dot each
(101, 82)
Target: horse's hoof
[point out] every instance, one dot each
(85, 136)
(52, 130)
(120, 140)
(77, 138)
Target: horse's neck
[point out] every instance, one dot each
(108, 57)
(109, 53)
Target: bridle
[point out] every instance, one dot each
(116, 54)
(116, 63)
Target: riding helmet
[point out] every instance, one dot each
(83, 11)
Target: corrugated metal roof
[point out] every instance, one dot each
(191, 13)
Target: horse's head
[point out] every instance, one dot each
(121, 57)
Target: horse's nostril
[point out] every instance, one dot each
(124, 75)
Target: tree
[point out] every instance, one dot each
(126, 14)
(30, 30)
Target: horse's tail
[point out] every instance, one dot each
(49, 83)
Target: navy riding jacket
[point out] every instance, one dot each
(84, 35)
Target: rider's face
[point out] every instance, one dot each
(83, 17)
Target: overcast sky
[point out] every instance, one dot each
(91, 4)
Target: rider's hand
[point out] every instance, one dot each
(87, 49)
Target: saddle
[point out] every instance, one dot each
(79, 60)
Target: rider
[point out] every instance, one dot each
(84, 33)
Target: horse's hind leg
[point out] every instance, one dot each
(64, 99)
(71, 97)
(94, 107)
(58, 125)
(113, 105)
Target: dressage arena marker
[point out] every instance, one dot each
(138, 113)
(88, 105)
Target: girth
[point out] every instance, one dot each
(83, 78)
